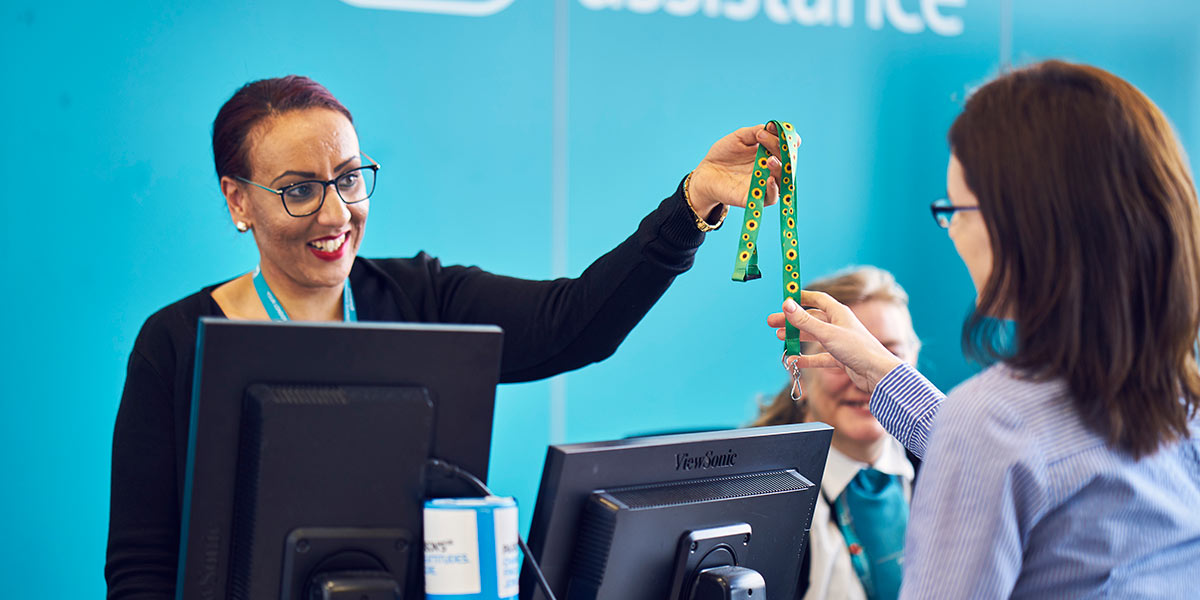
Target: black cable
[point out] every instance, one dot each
(457, 471)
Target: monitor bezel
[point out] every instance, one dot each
(573, 471)
(459, 364)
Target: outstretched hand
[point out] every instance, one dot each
(847, 343)
(723, 177)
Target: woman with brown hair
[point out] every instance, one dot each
(1070, 467)
(861, 453)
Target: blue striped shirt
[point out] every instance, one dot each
(1018, 498)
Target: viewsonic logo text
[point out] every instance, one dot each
(708, 460)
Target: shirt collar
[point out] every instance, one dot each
(840, 469)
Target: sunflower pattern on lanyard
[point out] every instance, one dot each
(746, 266)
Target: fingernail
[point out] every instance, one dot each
(790, 306)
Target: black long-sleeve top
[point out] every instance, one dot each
(549, 327)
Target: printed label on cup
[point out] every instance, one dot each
(452, 553)
(471, 549)
(508, 561)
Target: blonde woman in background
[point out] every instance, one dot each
(861, 451)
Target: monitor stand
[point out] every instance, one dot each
(729, 583)
(331, 563)
(706, 566)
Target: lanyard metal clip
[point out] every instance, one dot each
(795, 392)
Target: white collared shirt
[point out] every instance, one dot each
(832, 576)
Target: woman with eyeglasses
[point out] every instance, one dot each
(1069, 467)
(294, 177)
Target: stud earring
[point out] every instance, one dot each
(242, 226)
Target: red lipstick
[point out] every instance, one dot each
(330, 255)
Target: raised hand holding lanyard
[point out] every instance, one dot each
(746, 266)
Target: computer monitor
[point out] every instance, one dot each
(641, 519)
(307, 453)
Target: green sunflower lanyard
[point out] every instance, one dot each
(746, 267)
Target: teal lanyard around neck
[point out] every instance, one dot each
(275, 309)
(858, 555)
(872, 514)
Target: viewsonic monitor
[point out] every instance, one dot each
(678, 517)
(306, 469)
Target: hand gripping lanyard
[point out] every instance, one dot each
(275, 309)
(746, 267)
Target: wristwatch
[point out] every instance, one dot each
(701, 223)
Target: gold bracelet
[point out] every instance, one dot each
(701, 223)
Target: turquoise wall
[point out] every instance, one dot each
(527, 141)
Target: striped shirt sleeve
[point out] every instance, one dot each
(905, 403)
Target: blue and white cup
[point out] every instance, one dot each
(471, 550)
